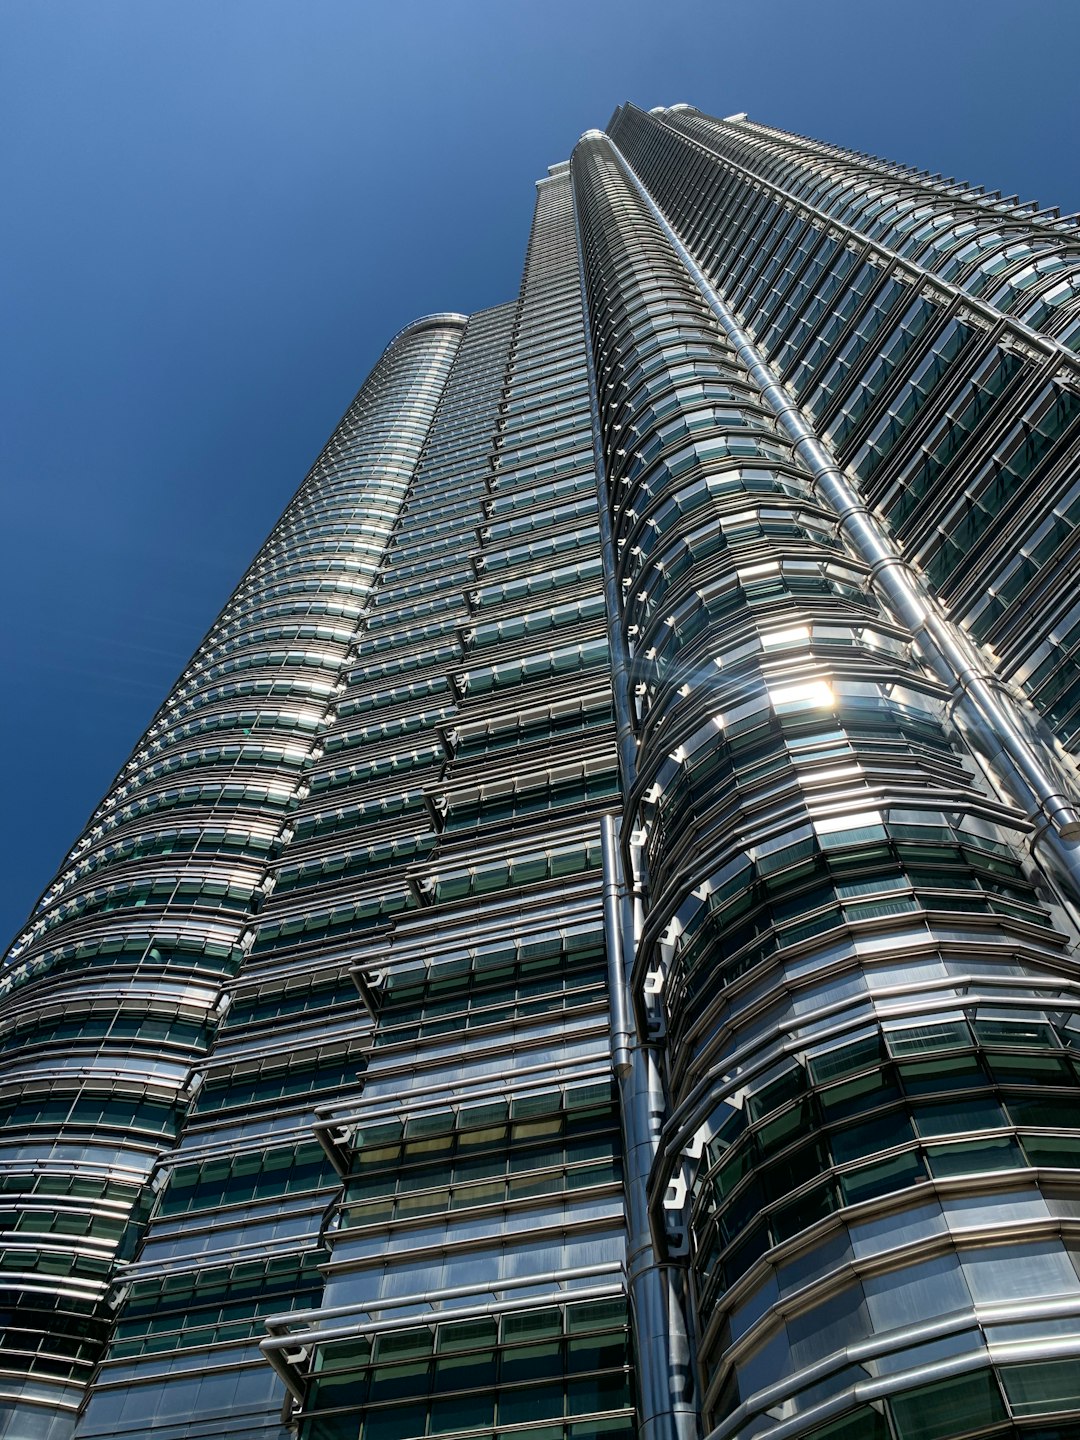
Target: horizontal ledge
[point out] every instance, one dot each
(441, 319)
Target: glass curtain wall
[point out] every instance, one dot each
(858, 977)
(119, 988)
(402, 1171)
(931, 333)
(474, 1283)
(564, 821)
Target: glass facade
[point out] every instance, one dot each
(586, 948)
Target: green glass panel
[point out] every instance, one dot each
(972, 1156)
(598, 1315)
(333, 1427)
(394, 1424)
(598, 1392)
(531, 1325)
(954, 1117)
(870, 1181)
(1060, 1112)
(404, 1343)
(468, 1335)
(531, 1362)
(615, 1427)
(390, 1381)
(1031, 1069)
(530, 1402)
(461, 1372)
(883, 1133)
(599, 1352)
(1062, 1151)
(845, 1059)
(863, 1093)
(788, 1220)
(461, 1412)
(331, 1391)
(948, 1407)
(863, 1424)
(776, 1133)
(1042, 1388)
(931, 1077)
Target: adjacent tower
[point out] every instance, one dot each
(588, 946)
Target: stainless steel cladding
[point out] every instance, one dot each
(587, 948)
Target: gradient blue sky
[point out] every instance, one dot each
(218, 211)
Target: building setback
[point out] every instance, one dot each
(586, 949)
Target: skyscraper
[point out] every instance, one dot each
(587, 946)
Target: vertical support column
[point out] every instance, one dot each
(662, 1339)
(660, 1305)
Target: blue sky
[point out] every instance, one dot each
(218, 211)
